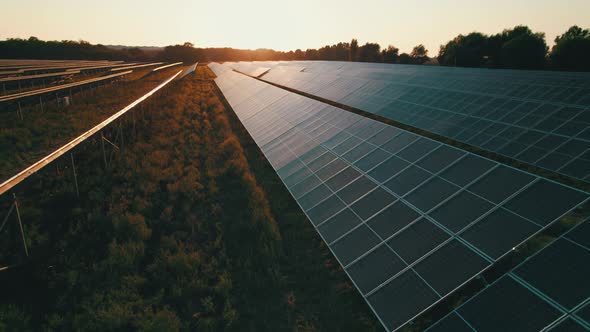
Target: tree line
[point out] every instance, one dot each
(344, 51)
(34, 48)
(519, 48)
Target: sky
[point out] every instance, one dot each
(282, 25)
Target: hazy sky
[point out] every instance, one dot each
(282, 25)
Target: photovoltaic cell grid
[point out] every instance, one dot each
(550, 291)
(385, 200)
(250, 68)
(540, 118)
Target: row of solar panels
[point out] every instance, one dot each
(32, 169)
(115, 72)
(78, 70)
(16, 97)
(539, 118)
(410, 219)
(9, 79)
(24, 63)
(469, 79)
(36, 67)
(549, 291)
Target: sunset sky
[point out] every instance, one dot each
(282, 25)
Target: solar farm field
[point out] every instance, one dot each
(293, 196)
(40, 120)
(473, 201)
(183, 184)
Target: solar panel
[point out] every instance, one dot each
(452, 322)
(375, 194)
(568, 325)
(584, 313)
(190, 69)
(251, 69)
(540, 118)
(167, 66)
(136, 66)
(73, 65)
(40, 76)
(549, 291)
(508, 306)
(17, 96)
(564, 280)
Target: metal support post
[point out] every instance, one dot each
(20, 111)
(121, 132)
(104, 154)
(75, 175)
(22, 232)
(6, 218)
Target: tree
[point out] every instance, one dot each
(468, 51)
(522, 48)
(312, 54)
(354, 46)
(136, 53)
(337, 52)
(405, 59)
(390, 55)
(572, 49)
(513, 48)
(419, 54)
(185, 53)
(299, 55)
(370, 52)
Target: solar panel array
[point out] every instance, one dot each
(47, 160)
(40, 76)
(136, 66)
(166, 66)
(251, 69)
(15, 97)
(410, 219)
(12, 67)
(540, 118)
(549, 292)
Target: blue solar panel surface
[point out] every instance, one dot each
(547, 292)
(539, 118)
(410, 219)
